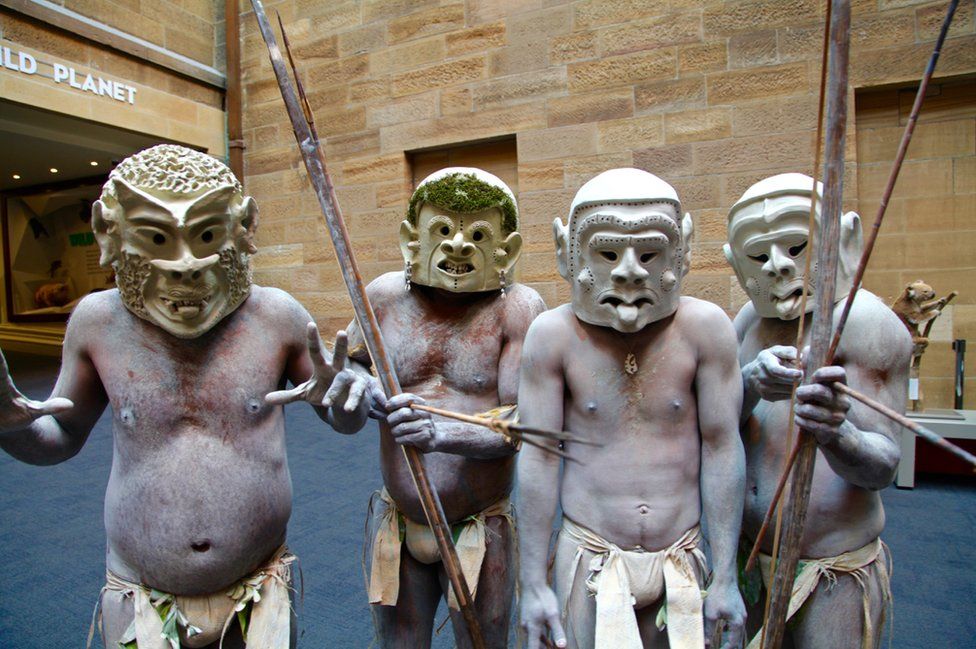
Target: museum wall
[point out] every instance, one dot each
(709, 95)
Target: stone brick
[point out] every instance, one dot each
(352, 145)
(482, 11)
(745, 15)
(661, 31)
(278, 256)
(425, 23)
(698, 125)
(462, 127)
(538, 267)
(563, 142)
(628, 134)
(595, 13)
(665, 161)
(537, 232)
(706, 57)
(389, 167)
(408, 56)
(362, 40)
(935, 139)
(534, 176)
(581, 169)
(336, 73)
(711, 225)
(800, 43)
(696, 192)
(708, 258)
(518, 88)
(918, 178)
(271, 160)
(882, 30)
(476, 39)
(946, 250)
(623, 70)
(964, 175)
(409, 109)
(520, 58)
(438, 76)
(392, 194)
(713, 287)
(456, 100)
(784, 152)
(753, 49)
(325, 47)
(359, 198)
(875, 67)
(572, 47)
(929, 20)
(688, 92)
(379, 10)
(533, 25)
(775, 115)
(731, 87)
(593, 107)
(369, 91)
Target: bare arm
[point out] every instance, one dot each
(860, 444)
(55, 430)
(722, 467)
(540, 404)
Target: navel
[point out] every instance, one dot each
(644, 510)
(591, 406)
(200, 546)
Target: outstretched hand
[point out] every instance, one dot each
(774, 373)
(331, 384)
(724, 604)
(540, 615)
(17, 411)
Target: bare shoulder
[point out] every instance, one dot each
(550, 333)
(95, 314)
(873, 335)
(520, 307)
(276, 304)
(705, 322)
(386, 289)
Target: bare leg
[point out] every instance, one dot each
(647, 623)
(579, 608)
(496, 588)
(411, 622)
(833, 618)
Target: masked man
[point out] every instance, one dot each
(650, 376)
(842, 585)
(185, 352)
(454, 328)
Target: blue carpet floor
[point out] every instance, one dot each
(51, 532)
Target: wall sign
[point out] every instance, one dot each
(64, 74)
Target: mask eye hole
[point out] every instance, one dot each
(478, 236)
(159, 239)
(797, 249)
(647, 256)
(444, 230)
(762, 259)
(207, 236)
(609, 255)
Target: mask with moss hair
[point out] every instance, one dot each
(461, 231)
(179, 232)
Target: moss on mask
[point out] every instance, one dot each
(464, 193)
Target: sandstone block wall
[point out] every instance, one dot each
(711, 95)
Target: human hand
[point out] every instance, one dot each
(331, 384)
(724, 603)
(820, 409)
(409, 426)
(540, 612)
(773, 374)
(17, 411)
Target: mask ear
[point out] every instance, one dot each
(560, 233)
(106, 234)
(687, 237)
(249, 222)
(512, 248)
(409, 243)
(851, 243)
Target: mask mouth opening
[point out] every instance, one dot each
(616, 301)
(185, 307)
(455, 268)
(792, 295)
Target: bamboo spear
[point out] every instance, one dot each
(827, 257)
(321, 182)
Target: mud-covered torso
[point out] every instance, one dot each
(199, 494)
(841, 515)
(641, 487)
(446, 349)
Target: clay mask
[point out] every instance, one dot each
(181, 258)
(769, 240)
(451, 240)
(623, 250)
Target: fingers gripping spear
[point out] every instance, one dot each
(314, 159)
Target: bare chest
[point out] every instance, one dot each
(458, 352)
